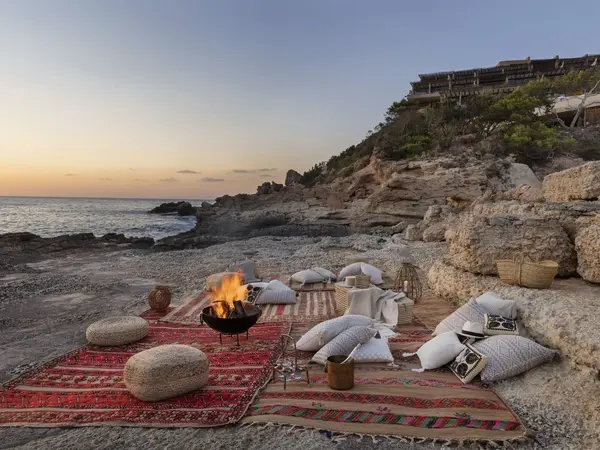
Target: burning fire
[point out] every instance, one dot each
(223, 295)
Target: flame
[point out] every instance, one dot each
(223, 295)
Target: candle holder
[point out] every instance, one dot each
(288, 369)
(407, 281)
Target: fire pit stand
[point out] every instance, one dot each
(247, 317)
(237, 335)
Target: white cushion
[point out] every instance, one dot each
(440, 350)
(276, 285)
(468, 364)
(271, 297)
(350, 271)
(511, 355)
(373, 272)
(454, 322)
(248, 268)
(497, 306)
(324, 332)
(326, 274)
(495, 325)
(377, 350)
(344, 343)
(308, 276)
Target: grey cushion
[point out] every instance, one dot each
(271, 297)
(350, 270)
(344, 343)
(248, 268)
(454, 322)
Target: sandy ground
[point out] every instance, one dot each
(45, 307)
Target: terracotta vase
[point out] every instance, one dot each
(159, 298)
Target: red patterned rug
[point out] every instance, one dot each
(85, 387)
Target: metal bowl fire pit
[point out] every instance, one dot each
(245, 316)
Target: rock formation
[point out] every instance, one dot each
(578, 183)
(292, 178)
(182, 208)
(587, 244)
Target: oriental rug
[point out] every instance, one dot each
(310, 306)
(85, 387)
(390, 400)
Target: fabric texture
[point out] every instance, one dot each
(375, 303)
(509, 356)
(327, 275)
(86, 387)
(497, 306)
(454, 322)
(377, 350)
(350, 270)
(307, 277)
(468, 364)
(495, 325)
(344, 343)
(273, 297)
(322, 333)
(440, 350)
(373, 272)
(276, 285)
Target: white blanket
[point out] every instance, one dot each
(375, 303)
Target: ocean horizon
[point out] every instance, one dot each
(55, 216)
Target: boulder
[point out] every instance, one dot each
(206, 206)
(435, 233)
(399, 227)
(185, 209)
(413, 233)
(587, 245)
(269, 187)
(578, 183)
(456, 285)
(482, 240)
(166, 208)
(292, 178)
(520, 174)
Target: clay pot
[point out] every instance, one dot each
(159, 298)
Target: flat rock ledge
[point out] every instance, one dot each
(562, 317)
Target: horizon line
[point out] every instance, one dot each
(108, 198)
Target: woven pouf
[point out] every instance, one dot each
(165, 371)
(117, 330)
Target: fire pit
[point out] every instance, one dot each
(226, 315)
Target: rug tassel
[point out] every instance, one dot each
(421, 370)
(406, 355)
(375, 441)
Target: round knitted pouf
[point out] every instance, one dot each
(159, 298)
(117, 330)
(165, 371)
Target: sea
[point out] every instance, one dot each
(49, 217)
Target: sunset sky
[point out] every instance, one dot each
(194, 99)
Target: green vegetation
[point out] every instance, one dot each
(522, 124)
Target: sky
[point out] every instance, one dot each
(199, 98)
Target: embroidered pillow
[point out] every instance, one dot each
(497, 306)
(377, 350)
(468, 364)
(308, 276)
(494, 325)
(344, 343)
(250, 292)
(440, 350)
(454, 322)
(350, 271)
(326, 274)
(324, 332)
(509, 356)
(373, 272)
(270, 297)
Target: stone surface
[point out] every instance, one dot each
(185, 209)
(482, 240)
(456, 285)
(292, 178)
(578, 183)
(587, 245)
(435, 233)
(172, 208)
(413, 233)
(521, 174)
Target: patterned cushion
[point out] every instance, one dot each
(377, 350)
(511, 355)
(372, 271)
(324, 332)
(308, 276)
(250, 292)
(440, 350)
(350, 271)
(494, 325)
(468, 364)
(326, 274)
(344, 343)
(454, 322)
(271, 297)
(497, 305)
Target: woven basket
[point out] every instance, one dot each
(535, 275)
(363, 281)
(341, 298)
(405, 311)
(159, 298)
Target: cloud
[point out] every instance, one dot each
(168, 180)
(132, 169)
(69, 174)
(266, 175)
(188, 172)
(252, 171)
(212, 180)
(105, 179)
(267, 170)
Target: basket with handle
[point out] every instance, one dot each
(522, 271)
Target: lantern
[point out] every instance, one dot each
(159, 298)
(407, 281)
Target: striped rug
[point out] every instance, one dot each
(311, 306)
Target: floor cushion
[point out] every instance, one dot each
(215, 280)
(324, 332)
(326, 274)
(468, 364)
(344, 343)
(509, 356)
(373, 272)
(350, 270)
(497, 306)
(377, 350)
(440, 350)
(470, 311)
(270, 297)
(307, 277)
(248, 269)
(118, 330)
(166, 371)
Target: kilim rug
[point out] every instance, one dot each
(85, 387)
(391, 400)
(311, 306)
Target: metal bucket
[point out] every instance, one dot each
(339, 376)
